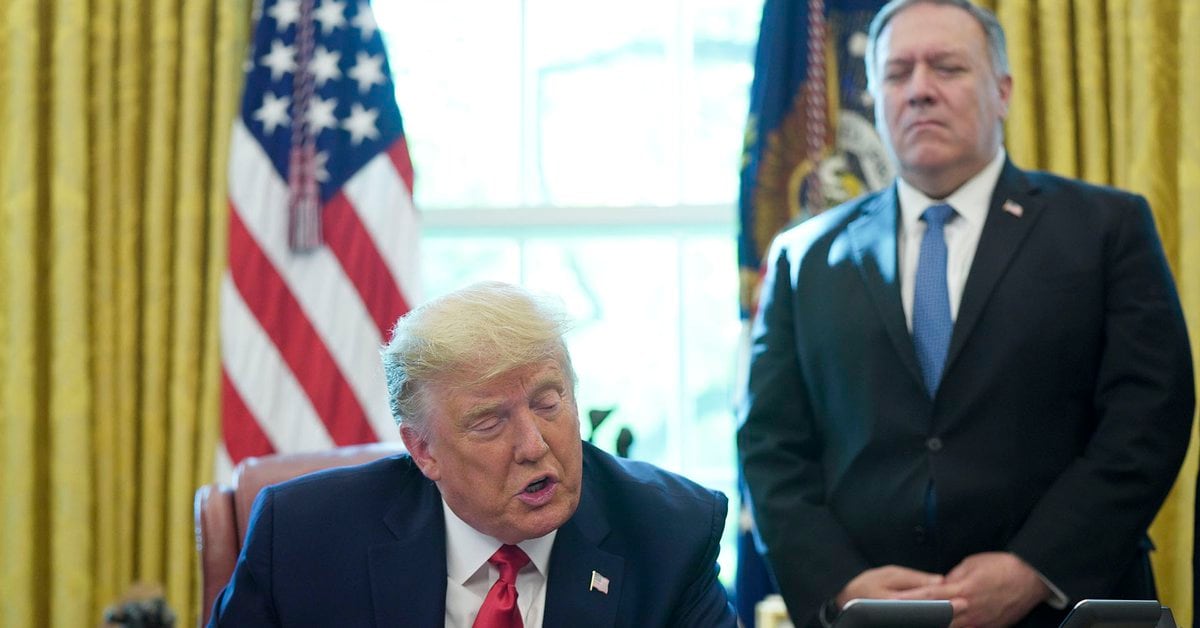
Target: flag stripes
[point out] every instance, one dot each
(318, 153)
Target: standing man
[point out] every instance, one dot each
(500, 517)
(974, 385)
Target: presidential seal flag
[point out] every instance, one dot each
(810, 144)
(322, 234)
(810, 138)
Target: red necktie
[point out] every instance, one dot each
(499, 609)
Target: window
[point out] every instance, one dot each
(591, 150)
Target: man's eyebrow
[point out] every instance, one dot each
(547, 383)
(482, 409)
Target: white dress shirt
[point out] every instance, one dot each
(469, 575)
(970, 202)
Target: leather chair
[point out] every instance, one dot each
(222, 512)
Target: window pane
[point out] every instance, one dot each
(717, 99)
(451, 263)
(604, 93)
(457, 69)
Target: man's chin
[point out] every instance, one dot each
(540, 522)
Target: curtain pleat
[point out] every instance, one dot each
(1023, 129)
(21, 375)
(70, 490)
(104, 209)
(1056, 60)
(114, 125)
(193, 165)
(129, 160)
(1091, 91)
(1119, 72)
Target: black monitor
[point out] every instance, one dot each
(895, 614)
(1118, 614)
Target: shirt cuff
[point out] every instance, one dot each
(1057, 599)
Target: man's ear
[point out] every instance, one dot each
(1004, 85)
(418, 447)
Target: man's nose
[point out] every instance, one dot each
(529, 445)
(920, 88)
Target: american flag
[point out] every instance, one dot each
(322, 234)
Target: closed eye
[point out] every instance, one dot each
(486, 424)
(547, 401)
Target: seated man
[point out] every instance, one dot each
(499, 516)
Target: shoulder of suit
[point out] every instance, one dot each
(642, 482)
(825, 225)
(353, 479)
(1049, 183)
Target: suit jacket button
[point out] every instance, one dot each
(919, 533)
(933, 444)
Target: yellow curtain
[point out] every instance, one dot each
(1110, 92)
(114, 119)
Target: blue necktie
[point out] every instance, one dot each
(931, 299)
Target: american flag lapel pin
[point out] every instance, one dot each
(1013, 208)
(599, 583)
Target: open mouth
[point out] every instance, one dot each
(539, 492)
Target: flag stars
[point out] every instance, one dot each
(320, 114)
(320, 166)
(281, 59)
(331, 15)
(273, 112)
(364, 21)
(361, 124)
(367, 71)
(324, 65)
(285, 13)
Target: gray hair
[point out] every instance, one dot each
(468, 337)
(996, 43)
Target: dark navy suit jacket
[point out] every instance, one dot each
(366, 546)
(1060, 424)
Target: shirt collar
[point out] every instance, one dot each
(467, 549)
(970, 201)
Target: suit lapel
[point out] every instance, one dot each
(873, 240)
(1003, 233)
(404, 595)
(571, 600)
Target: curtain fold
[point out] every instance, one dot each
(114, 121)
(65, 327)
(21, 230)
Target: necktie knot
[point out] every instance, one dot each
(937, 215)
(509, 559)
(499, 609)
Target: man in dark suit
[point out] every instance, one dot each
(974, 385)
(499, 516)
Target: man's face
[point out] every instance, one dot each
(506, 454)
(938, 102)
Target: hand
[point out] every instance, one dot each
(988, 589)
(886, 583)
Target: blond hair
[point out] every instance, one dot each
(468, 337)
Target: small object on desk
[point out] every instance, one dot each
(1119, 614)
(860, 613)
